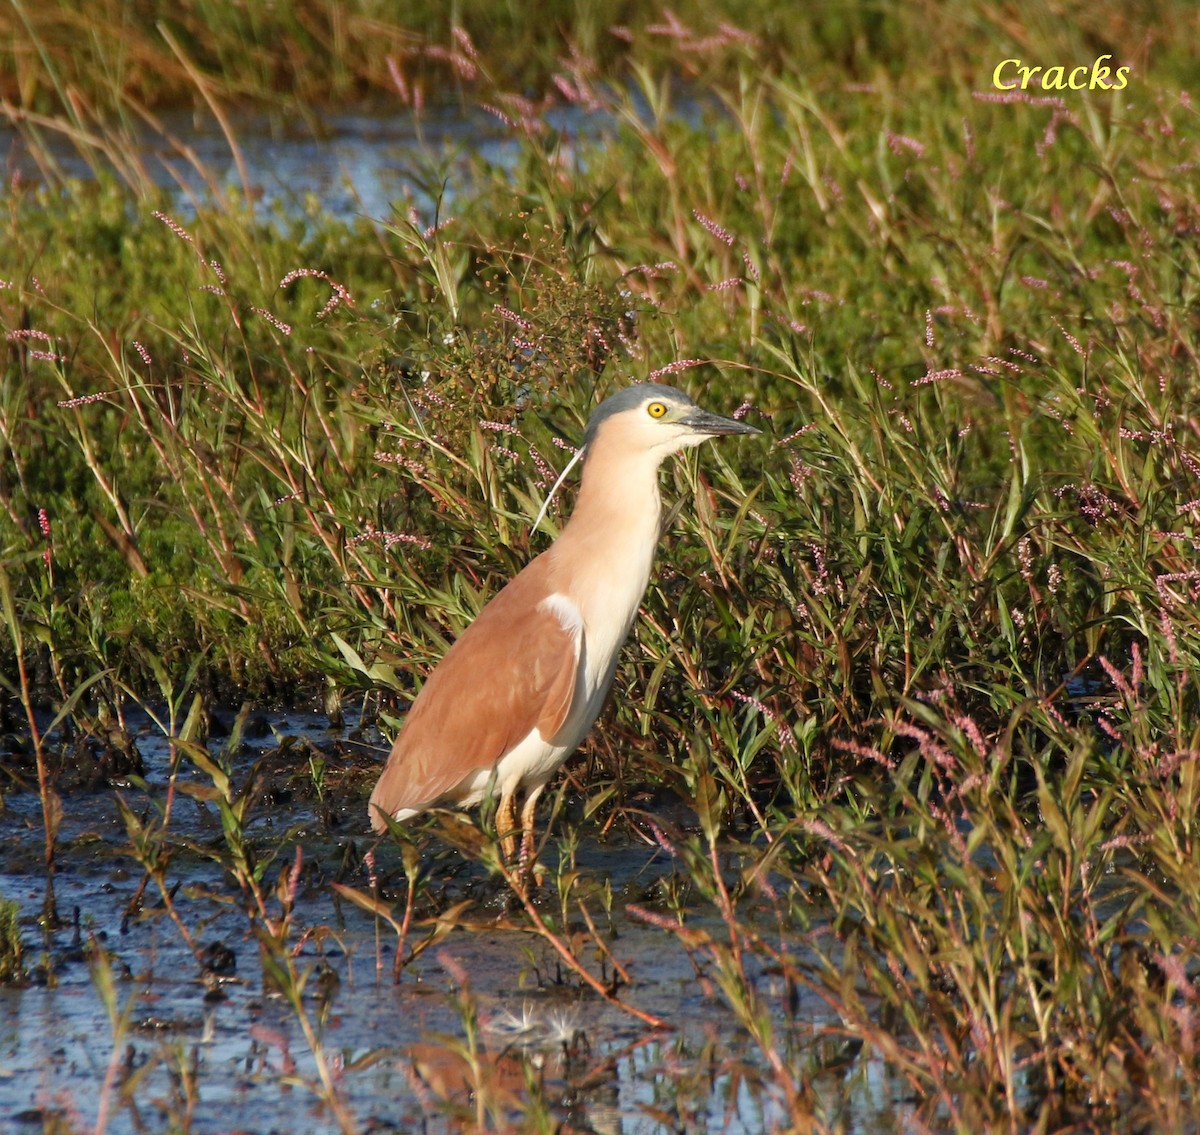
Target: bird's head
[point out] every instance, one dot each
(657, 420)
(646, 421)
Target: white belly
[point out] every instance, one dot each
(529, 764)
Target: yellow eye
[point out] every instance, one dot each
(656, 409)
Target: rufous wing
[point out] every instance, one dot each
(512, 670)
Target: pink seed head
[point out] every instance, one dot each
(722, 234)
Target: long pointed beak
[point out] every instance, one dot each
(703, 422)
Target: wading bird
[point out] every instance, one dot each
(519, 690)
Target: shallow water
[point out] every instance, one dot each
(209, 1056)
(366, 162)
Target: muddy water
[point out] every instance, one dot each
(219, 1054)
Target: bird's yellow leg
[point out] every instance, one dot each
(506, 825)
(527, 817)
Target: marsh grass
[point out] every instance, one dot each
(12, 946)
(922, 673)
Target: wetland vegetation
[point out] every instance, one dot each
(893, 820)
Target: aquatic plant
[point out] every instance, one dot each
(12, 948)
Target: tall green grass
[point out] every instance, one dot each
(924, 665)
